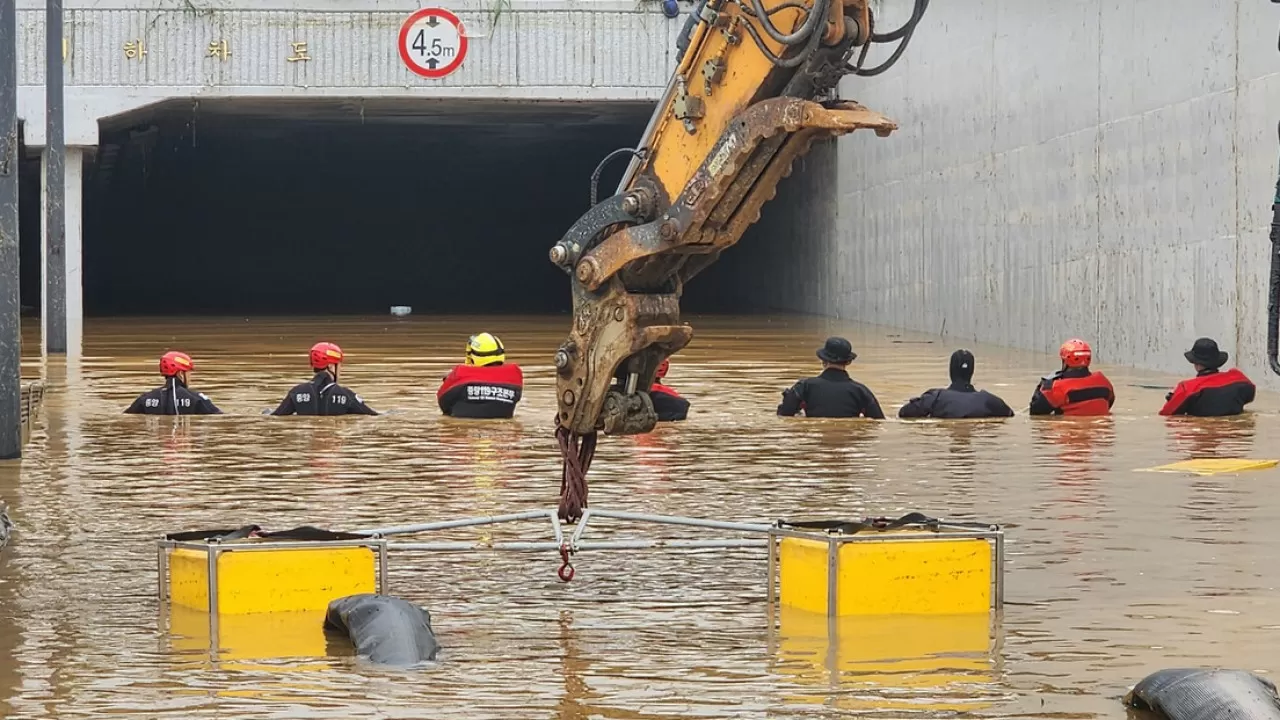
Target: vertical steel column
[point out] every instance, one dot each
(10, 336)
(55, 187)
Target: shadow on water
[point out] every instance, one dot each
(1111, 572)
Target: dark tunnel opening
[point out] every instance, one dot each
(350, 207)
(325, 209)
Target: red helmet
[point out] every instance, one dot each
(1075, 353)
(172, 363)
(324, 354)
(663, 368)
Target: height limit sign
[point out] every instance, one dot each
(432, 42)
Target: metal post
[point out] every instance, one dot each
(55, 188)
(10, 338)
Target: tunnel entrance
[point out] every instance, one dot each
(342, 206)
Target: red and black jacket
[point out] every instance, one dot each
(491, 391)
(1210, 393)
(1074, 391)
(667, 403)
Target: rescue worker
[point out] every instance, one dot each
(833, 394)
(960, 400)
(174, 398)
(1210, 393)
(322, 395)
(667, 403)
(486, 386)
(1074, 390)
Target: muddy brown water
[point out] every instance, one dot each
(1111, 573)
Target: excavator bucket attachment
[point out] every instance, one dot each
(614, 324)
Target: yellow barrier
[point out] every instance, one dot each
(249, 592)
(269, 579)
(898, 616)
(909, 571)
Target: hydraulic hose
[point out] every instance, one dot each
(595, 175)
(819, 10)
(905, 32)
(917, 12)
(1273, 304)
(810, 24)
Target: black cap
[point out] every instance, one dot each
(1205, 352)
(961, 365)
(837, 350)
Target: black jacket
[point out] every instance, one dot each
(322, 396)
(173, 399)
(833, 394)
(667, 403)
(960, 400)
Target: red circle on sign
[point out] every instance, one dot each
(404, 42)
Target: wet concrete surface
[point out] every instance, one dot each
(1111, 573)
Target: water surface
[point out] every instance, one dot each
(1111, 573)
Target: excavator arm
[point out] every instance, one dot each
(748, 97)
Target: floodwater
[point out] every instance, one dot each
(1111, 573)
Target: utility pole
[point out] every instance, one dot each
(10, 336)
(55, 188)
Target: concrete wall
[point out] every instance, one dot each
(1101, 168)
(543, 49)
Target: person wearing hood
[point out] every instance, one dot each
(322, 395)
(960, 399)
(833, 394)
(174, 398)
(1212, 392)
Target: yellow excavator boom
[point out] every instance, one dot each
(752, 91)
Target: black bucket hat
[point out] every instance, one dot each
(1205, 352)
(837, 350)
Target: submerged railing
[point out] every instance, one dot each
(30, 398)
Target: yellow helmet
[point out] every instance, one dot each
(485, 349)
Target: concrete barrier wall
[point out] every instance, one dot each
(1101, 168)
(124, 54)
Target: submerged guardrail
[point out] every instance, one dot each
(31, 397)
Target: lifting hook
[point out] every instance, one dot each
(566, 567)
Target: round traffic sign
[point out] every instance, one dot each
(432, 42)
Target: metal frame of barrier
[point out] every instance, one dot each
(213, 548)
(574, 543)
(835, 540)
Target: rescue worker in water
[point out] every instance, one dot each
(485, 386)
(1211, 392)
(833, 394)
(1074, 390)
(174, 398)
(322, 395)
(667, 403)
(960, 400)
